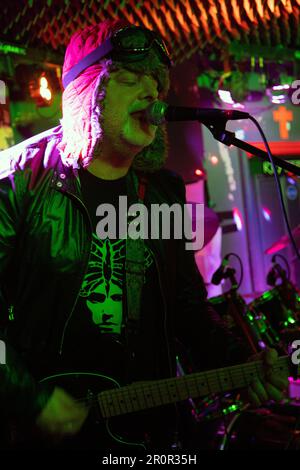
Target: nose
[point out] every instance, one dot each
(106, 317)
(149, 90)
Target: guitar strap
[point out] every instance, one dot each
(135, 254)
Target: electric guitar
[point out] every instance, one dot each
(109, 400)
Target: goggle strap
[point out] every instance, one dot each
(90, 59)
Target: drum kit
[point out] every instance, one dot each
(272, 319)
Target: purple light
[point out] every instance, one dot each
(291, 180)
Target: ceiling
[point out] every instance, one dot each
(209, 26)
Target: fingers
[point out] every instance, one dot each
(258, 392)
(253, 398)
(262, 392)
(277, 380)
(62, 415)
(273, 392)
(64, 428)
(270, 387)
(270, 357)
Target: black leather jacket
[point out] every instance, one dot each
(45, 238)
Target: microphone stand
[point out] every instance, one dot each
(218, 130)
(237, 310)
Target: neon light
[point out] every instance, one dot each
(225, 96)
(238, 219)
(267, 214)
(280, 87)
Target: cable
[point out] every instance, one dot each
(278, 186)
(229, 428)
(241, 268)
(285, 262)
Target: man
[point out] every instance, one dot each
(80, 302)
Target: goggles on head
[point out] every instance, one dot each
(130, 43)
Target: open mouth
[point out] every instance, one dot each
(140, 115)
(141, 118)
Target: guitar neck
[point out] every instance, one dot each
(144, 395)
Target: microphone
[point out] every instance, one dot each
(276, 272)
(159, 112)
(218, 275)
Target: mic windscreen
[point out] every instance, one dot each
(155, 113)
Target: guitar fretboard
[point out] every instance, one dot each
(144, 395)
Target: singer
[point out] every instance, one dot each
(114, 308)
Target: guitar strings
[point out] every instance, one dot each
(163, 386)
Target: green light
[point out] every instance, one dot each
(11, 313)
(230, 409)
(297, 55)
(267, 295)
(251, 318)
(291, 320)
(9, 48)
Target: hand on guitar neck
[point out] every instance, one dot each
(62, 415)
(273, 385)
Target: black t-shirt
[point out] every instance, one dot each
(96, 337)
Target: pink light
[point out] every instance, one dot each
(238, 218)
(267, 214)
(199, 172)
(238, 105)
(214, 160)
(279, 246)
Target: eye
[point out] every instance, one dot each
(128, 78)
(116, 297)
(96, 298)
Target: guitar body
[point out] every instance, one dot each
(97, 432)
(131, 433)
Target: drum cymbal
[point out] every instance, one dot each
(284, 241)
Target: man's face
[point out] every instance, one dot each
(123, 123)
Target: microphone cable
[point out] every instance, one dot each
(293, 242)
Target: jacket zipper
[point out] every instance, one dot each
(83, 274)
